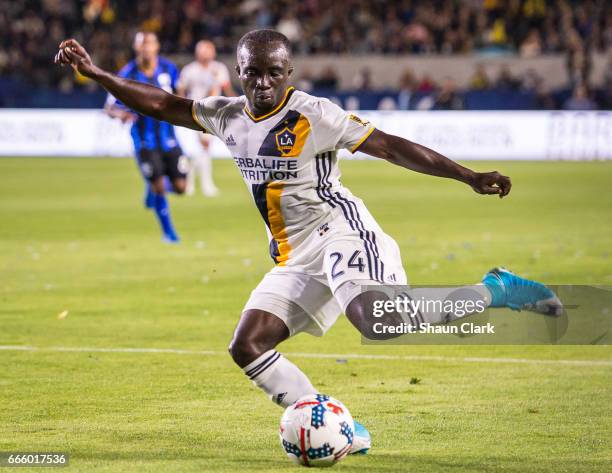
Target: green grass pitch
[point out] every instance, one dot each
(74, 237)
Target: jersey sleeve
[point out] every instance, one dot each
(205, 113)
(338, 128)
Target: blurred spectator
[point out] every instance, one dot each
(31, 29)
(427, 84)
(496, 33)
(447, 97)
(578, 60)
(264, 17)
(505, 80)
(290, 27)
(327, 80)
(406, 90)
(363, 80)
(305, 82)
(531, 46)
(393, 26)
(479, 80)
(607, 87)
(579, 100)
(531, 80)
(543, 98)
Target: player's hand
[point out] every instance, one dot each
(491, 183)
(72, 53)
(127, 117)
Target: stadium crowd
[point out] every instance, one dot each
(30, 31)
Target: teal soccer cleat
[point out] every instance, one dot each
(361, 440)
(509, 290)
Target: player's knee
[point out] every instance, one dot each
(360, 312)
(158, 187)
(357, 313)
(256, 333)
(180, 186)
(245, 350)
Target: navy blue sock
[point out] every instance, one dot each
(163, 215)
(149, 199)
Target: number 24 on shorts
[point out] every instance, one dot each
(355, 261)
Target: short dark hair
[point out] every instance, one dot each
(259, 37)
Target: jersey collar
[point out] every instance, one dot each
(277, 109)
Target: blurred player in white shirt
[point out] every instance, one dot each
(199, 79)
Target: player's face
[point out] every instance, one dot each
(205, 52)
(146, 46)
(263, 72)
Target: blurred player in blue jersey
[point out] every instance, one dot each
(159, 155)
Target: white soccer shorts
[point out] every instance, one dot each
(310, 297)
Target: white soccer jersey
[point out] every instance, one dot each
(288, 161)
(202, 81)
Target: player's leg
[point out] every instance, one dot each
(362, 301)
(179, 185)
(191, 177)
(253, 348)
(162, 210)
(145, 171)
(152, 168)
(203, 163)
(363, 306)
(500, 288)
(176, 167)
(510, 290)
(149, 197)
(357, 267)
(283, 304)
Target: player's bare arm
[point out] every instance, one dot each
(421, 159)
(143, 98)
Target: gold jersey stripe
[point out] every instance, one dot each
(273, 112)
(360, 142)
(277, 222)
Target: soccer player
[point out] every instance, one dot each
(324, 242)
(157, 150)
(199, 79)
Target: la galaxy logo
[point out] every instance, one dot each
(285, 139)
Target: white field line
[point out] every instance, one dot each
(448, 359)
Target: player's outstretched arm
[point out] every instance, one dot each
(143, 98)
(421, 159)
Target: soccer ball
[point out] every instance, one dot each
(317, 430)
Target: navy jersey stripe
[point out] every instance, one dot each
(351, 214)
(363, 233)
(322, 189)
